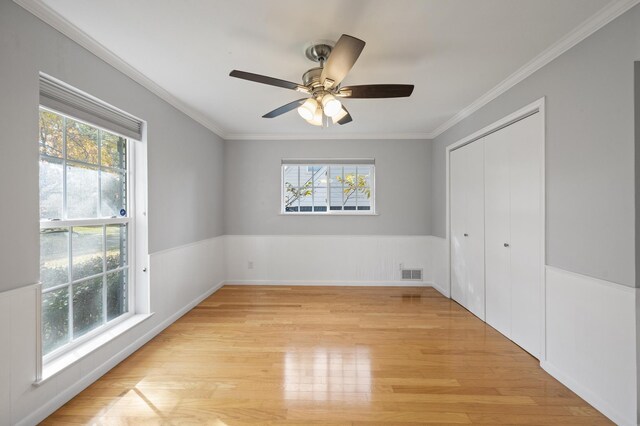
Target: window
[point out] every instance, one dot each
(328, 187)
(85, 229)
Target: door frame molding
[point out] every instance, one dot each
(537, 106)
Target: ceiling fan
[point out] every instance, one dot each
(323, 84)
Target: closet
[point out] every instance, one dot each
(496, 229)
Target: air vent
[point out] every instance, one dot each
(412, 274)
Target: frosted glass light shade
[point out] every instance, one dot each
(308, 109)
(317, 118)
(331, 105)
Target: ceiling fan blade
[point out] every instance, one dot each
(284, 108)
(344, 117)
(343, 55)
(370, 91)
(268, 80)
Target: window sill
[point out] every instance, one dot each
(328, 214)
(61, 363)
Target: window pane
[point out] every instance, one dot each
(117, 303)
(82, 142)
(336, 197)
(364, 176)
(291, 175)
(87, 306)
(51, 134)
(306, 200)
(335, 175)
(364, 200)
(112, 150)
(350, 188)
(306, 176)
(51, 175)
(113, 193)
(349, 176)
(320, 177)
(116, 246)
(349, 198)
(55, 319)
(87, 251)
(82, 192)
(320, 199)
(54, 257)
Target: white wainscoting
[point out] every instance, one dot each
(439, 255)
(591, 341)
(180, 279)
(328, 259)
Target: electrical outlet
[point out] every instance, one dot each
(250, 264)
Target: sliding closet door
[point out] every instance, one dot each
(474, 241)
(513, 217)
(497, 228)
(525, 151)
(467, 226)
(458, 224)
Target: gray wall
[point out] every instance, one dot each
(185, 159)
(589, 151)
(252, 190)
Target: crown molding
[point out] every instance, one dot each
(58, 22)
(584, 30)
(578, 34)
(325, 136)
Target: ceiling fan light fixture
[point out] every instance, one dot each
(331, 105)
(323, 83)
(316, 120)
(308, 109)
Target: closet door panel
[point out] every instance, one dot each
(458, 207)
(526, 239)
(497, 218)
(474, 247)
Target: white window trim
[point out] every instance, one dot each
(65, 356)
(371, 212)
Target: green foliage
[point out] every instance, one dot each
(87, 306)
(87, 301)
(55, 319)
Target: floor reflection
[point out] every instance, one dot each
(328, 374)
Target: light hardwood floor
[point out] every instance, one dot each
(327, 355)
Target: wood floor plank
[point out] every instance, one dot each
(287, 355)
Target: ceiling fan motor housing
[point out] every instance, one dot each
(311, 78)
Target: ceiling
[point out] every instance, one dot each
(454, 51)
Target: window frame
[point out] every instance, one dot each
(328, 164)
(129, 220)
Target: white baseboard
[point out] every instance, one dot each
(52, 405)
(331, 283)
(587, 394)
